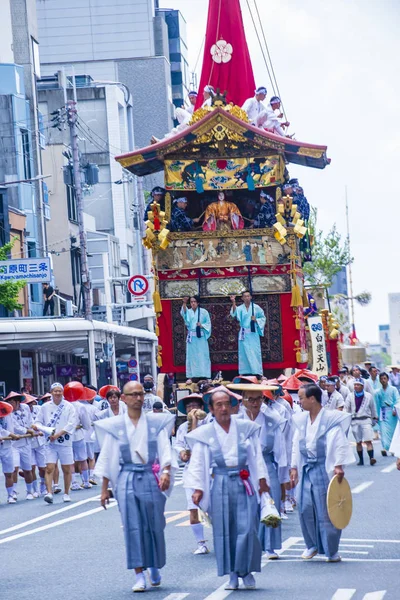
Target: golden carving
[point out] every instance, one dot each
(310, 152)
(131, 160)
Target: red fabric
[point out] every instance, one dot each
(334, 356)
(292, 383)
(236, 76)
(289, 334)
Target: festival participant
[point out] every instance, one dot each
(149, 396)
(89, 405)
(136, 457)
(253, 106)
(395, 445)
(266, 216)
(333, 400)
(373, 381)
(355, 373)
(222, 215)
(361, 406)
(386, 399)
(179, 219)
(184, 114)
(80, 478)
(341, 388)
(198, 323)
(116, 406)
(273, 449)
(6, 452)
(269, 118)
(38, 449)
(22, 452)
(193, 402)
(230, 446)
(60, 416)
(320, 450)
(157, 195)
(251, 318)
(208, 96)
(394, 377)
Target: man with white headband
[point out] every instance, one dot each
(60, 417)
(270, 116)
(208, 95)
(254, 106)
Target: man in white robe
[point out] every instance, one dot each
(254, 106)
(333, 399)
(269, 118)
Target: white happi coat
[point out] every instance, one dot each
(67, 420)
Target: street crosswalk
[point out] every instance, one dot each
(340, 594)
(348, 594)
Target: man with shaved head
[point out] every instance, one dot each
(136, 458)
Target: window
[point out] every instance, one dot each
(71, 204)
(32, 249)
(26, 154)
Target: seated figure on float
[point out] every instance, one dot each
(222, 215)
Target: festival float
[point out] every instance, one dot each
(219, 150)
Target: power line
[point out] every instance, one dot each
(261, 47)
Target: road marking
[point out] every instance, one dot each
(55, 524)
(178, 483)
(181, 515)
(375, 595)
(360, 488)
(48, 515)
(343, 594)
(302, 546)
(389, 469)
(378, 541)
(175, 596)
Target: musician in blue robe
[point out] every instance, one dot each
(320, 450)
(136, 457)
(266, 215)
(179, 219)
(252, 320)
(230, 447)
(198, 323)
(386, 399)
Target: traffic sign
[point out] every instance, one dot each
(132, 363)
(138, 285)
(133, 377)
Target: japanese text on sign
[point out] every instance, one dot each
(32, 270)
(320, 360)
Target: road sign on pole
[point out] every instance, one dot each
(138, 285)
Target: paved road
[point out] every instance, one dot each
(77, 551)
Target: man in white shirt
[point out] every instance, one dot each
(230, 446)
(254, 106)
(270, 117)
(21, 423)
(6, 453)
(60, 417)
(208, 95)
(333, 399)
(149, 396)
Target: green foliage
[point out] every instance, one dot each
(9, 290)
(329, 255)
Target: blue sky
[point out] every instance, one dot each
(337, 66)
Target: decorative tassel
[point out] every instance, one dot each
(297, 322)
(298, 356)
(157, 329)
(296, 296)
(306, 303)
(157, 302)
(159, 359)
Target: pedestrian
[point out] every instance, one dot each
(80, 477)
(6, 451)
(230, 446)
(320, 450)
(361, 405)
(60, 416)
(38, 450)
(136, 457)
(386, 399)
(193, 402)
(48, 298)
(22, 452)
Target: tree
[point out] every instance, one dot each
(9, 290)
(330, 254)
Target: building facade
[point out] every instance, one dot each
(394, 324)
(384, 338)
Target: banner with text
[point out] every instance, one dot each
(320, 359)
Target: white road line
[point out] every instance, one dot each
(377, 541)
(175, 596)
(181, 515)
(343, 594)
(49, 515)
(178, 483)
(341, 546)
(360, 488)
(389, 469)
(375, 595)
(351, 552)
(55, 524)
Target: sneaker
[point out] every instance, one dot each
(201, 549)
(284, 517)
(57, 489)
(48, 498)
(35, 494)
(309, 553)
(140, 585)
(271, 555)
(334, 559)
(11, 500)
(14, 494)
(87, 486)
(66, 498)
(249, 582)
(30, 497)
(93, 481)
(288, 506)
(75, 486)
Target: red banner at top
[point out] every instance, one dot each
(226, 62)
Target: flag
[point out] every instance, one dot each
(226, 62)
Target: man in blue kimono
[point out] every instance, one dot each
(251, 318)
(266, 216)
(179, 219)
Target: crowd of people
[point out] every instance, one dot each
(245, 444)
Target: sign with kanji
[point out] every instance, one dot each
(32, 270)
(320, 360)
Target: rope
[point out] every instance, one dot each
(261, 48)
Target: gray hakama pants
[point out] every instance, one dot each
(316, 526)
(141, 505)
(270, 537)
(235, 519)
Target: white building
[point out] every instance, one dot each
(394, 319)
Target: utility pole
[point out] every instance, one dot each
(72, 116)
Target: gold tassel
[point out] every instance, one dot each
(306, 303)
(297, 322)
(157, 302)
(159, 359)
(157, 329)
(296, 296)
(298, 356)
